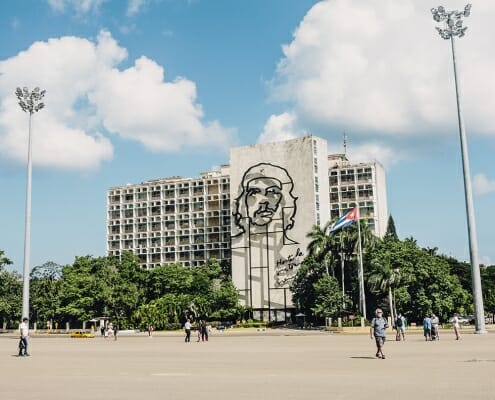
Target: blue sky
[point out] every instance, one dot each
(145, 89)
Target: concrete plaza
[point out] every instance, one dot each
(258, 365)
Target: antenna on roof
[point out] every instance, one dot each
(344, 138)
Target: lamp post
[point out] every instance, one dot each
(453, 26)
(29, 102)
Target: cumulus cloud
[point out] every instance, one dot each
(380, 67)
(88, 97)
(483, 185)
(280, 127)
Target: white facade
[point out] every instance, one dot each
(362, 183)
(279, 191)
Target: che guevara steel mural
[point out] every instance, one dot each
(264, 213)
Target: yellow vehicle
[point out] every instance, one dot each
(81, 334)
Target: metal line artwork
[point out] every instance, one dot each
(264, 214)
(266, 196)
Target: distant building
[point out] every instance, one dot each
(171, 220)
(253, 214)
(358, 182)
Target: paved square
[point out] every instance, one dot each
(256, 366)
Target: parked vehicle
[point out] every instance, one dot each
(81, 334)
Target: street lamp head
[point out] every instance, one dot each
(30, 101)
(452, 21)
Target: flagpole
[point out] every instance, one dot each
(342, 270)
(361, 271)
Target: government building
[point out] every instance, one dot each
(253, 214)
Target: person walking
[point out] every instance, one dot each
(427, 327)
(150, 330)
(24, 332)
(378, 331)
(204, 331)
(434, 327)
(400, 326)
(455, 324)
(187, 328)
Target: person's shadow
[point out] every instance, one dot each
(363, 358)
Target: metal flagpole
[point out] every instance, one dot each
(361, 271)
(342, 269)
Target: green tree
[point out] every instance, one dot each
(303, 289)
(225, 303)
(426, 283)
(45, 287)
(329, 300)
(10, 293)
(391, 232)
(322, 246)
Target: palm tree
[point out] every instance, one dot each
(386, 278)
(322, 246)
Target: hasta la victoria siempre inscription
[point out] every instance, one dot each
(285, 270)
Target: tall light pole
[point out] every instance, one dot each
(453, 26)
(29, 102)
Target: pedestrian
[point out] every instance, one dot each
(199, 331)
(400, 325)
(115, 332)
(102, 330)
(378, 331)
(24, 332)
(150, 330)
(204, 331)
(427, 327)
(187, 328)
(434, 327)
(455, 324)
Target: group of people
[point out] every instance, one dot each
(430, 327)
(203, 331)
(109, 331)
(431, 323)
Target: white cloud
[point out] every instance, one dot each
(88, 95)
(80, 6)
(279, 128)
(379, 66)
(482, 185)
(134, 6)
(380, 152)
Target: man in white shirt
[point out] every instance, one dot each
(24, 332)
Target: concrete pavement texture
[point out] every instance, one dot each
(318, 365)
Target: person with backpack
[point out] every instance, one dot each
(400, 326)
(378, 331)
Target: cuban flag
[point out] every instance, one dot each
(349, 218)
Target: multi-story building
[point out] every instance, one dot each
(362, 183)
(172, 219)
(254, 214)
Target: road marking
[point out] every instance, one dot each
(171, 374)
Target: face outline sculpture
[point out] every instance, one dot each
(263, 197)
